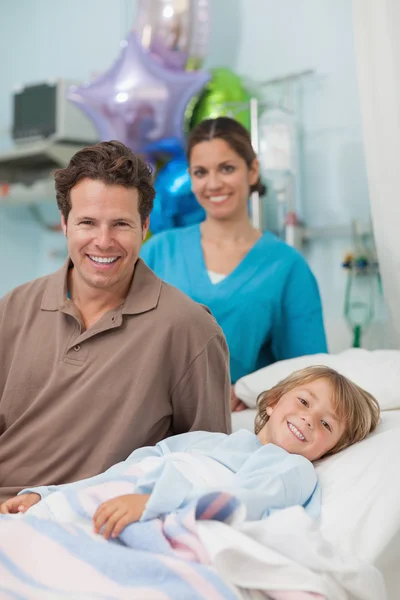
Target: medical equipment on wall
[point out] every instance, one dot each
(278, 155)
(363, 281)
(42, 111)
(275, 132)
(47, 130)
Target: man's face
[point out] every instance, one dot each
(104, 234)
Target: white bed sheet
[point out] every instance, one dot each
(361, 497)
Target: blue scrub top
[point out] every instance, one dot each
(269, 306)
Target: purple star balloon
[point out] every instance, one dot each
(138, 100)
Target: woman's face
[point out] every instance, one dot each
(221, 179)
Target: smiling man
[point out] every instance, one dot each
(102, 357)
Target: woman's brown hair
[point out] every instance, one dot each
(234, 134)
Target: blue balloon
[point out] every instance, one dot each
(175, 204)
(170, 146)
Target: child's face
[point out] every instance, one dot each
(303, 421)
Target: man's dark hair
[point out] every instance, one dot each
(113, 164)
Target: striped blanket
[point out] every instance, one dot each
(205, 551)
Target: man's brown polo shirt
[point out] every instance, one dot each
(74, 402)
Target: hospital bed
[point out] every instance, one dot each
(52, 553)
(360, 485)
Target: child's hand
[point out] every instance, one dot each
(19, 504)
(114, 515)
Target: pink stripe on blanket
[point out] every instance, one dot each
(192, 577)
(187, 545)
(215, 506)
(43, 560)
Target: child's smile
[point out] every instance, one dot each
(299, 434)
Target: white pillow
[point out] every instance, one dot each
(377, 371)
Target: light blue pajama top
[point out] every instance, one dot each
(268, 307)
(265, 478)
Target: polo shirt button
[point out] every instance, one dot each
(77, 348)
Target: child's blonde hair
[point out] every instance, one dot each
(353, 405)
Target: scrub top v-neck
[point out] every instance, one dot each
(199, 279)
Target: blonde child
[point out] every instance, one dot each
(312, 413)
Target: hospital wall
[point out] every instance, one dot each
(261, 39)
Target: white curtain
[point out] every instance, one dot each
(377, 45)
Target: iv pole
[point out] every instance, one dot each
(255, 201)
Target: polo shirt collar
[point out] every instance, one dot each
(144, 292)
(55, 293)
(143, 295)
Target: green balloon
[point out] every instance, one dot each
(224, 95)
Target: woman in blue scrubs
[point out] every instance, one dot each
(260, 290)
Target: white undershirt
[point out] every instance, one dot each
(215, 277)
